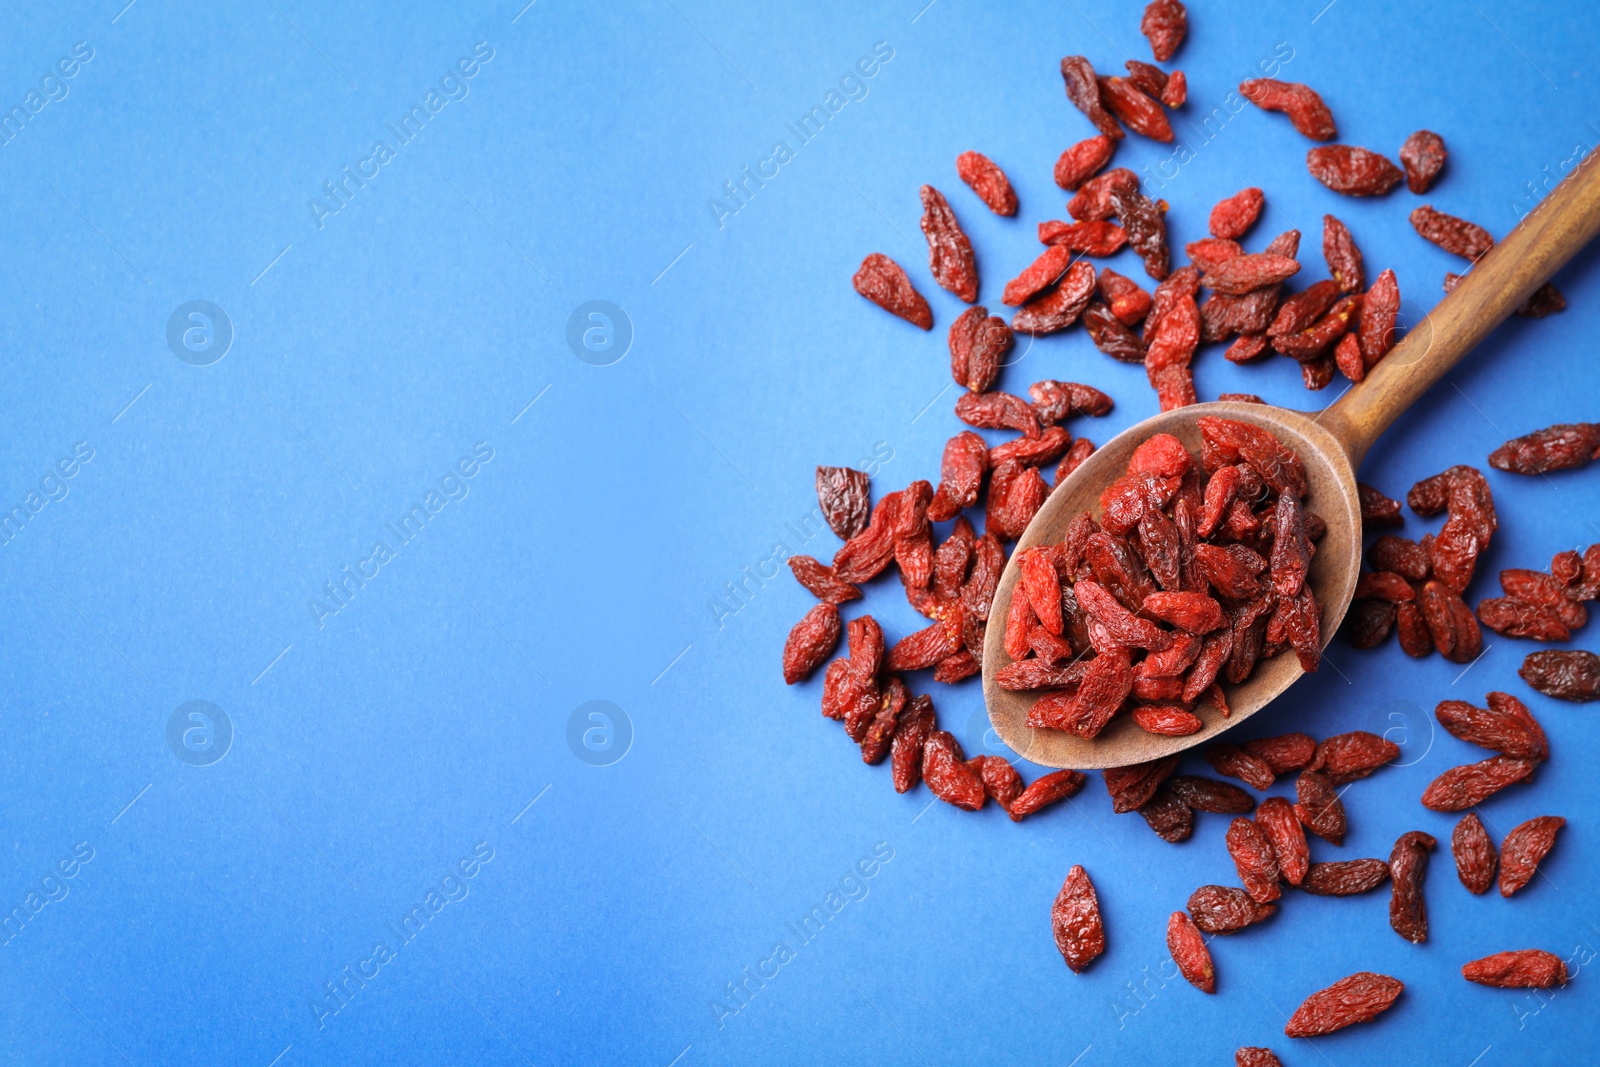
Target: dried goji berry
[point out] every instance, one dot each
(1378, 509)
(1300, 102)
(1169, 817)
(1000, 780)
(1061, 306)
(1249, 272)
(1033, 451)
(1055, 401)
(1515, 617)
(1399, 555)
(1096, 237)
(1081, 450)
(1506, 726)
(945, 769)
(1232, 218)
(1167, 720)
(1423, 156)
(1284, 752)
(1177, 91)
(842, 492)
(1255, 1056)
(1108, 334)
(1523, 848)
(1282, 830)
(1379, 309)
(1554, 448)
(1075, 920)
(1165, 22)
(1208, 252)
(1041, 583)
(1474, 853)
(1093, 199)
(1083, 161)
(978, 343)
(1083, 89)
(1220, 909)
(1189, 952)
(1408, 865)
(1454, 235)
(966, 458)
(1463, 787)
(1015, 494)
(1318, 806)
(1357, 999)
(1347, 757)
(997, 411)
(1132, 786)
(1042, 792)
(1038, 275)
(1147, 77)
(880, 730)
(1208, 794)
(1342, 255)
(1566, 675)
(950, 255)
(820, 581)
(1528, 968)
(812, 640)
(1254, 859)
(1145, 224)
(1369, 622)
(988, 181)
(1127, 300)
(1141, 112)
(1352, 171)
(1345, 878)
(1450, 622)
(1229, 441)
(917, 722)
(883, 281)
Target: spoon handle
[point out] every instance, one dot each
(1497, 285)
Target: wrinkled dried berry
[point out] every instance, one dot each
(1347, 757)
(988, 181)
(1463, 787)
(1164, 24)
(1345, 878)
(1255, 1056)
(1423, 156)
(1566, 675)
(1083, 161)
(1096, 237)
(1232, 218)
(883, 281)
(1357, 999)
(1553, 448)
(812, 640)
(1457, 236)
(1408, 865)
(1247, 273)
(1379, 310)
(1528, 968)
(1342, 255)
(1318, 807)
(1055, 401)
(1075, 920)
(1300, 102)
(950, 257)
(1523, 848)
(842, 492)
(1131, 786)
(917, 722)
(947, 773)
(1285, 752)
(1279, 825)
(1083, 89)
(1061, 306)
(1051, 788)
(1093, 200)
(1254, 859)
(820, 581)
(1474, 854)
(1169, 817)
(1235, 762)
(1189, 952)
(1142, 218)
(1220, 909)
(978, 345)
(1506, 726)
(1352, 171)
(1208, 794)
(1141, 112)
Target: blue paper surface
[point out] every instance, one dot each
(403, 528)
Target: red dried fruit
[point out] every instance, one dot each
(1255, 1056)
(1454, 235)
(1300, 102)
(1515, 617)
(1506, 727)
(1106, 684)
(1125, 627)
(1345, 878)
(1254, 859)
(1232, 218)
(1208, 252)
(1093, 200)
(1523, 848)
(883, 281)
(1344, 258)
(1357, 999)
(1145, 224)
(1385, 585)
(1279, 825)
(1110, 335)
(1208, 794)
(1167, 720)
(1176, 94)
(1141, 112)
(1463, 787)
(1075, 920)
(842, 493)
(1378, 510)
(1042, 584)
(1474, 853)
(1051, 788)
(917, 722)
(1055, 401)
(1081, 450)
(1450, 622)
(1061, 306)
(880, 729)
(945, 769)
(1408, 865)
(1093, 238)
(921, 650)
(1405, 558)
(1038, 275)
(1132, 786)
(1233, 761)
(950, 257)
(1147, 77)
(988, 181)
(1546, 300)
(1189, 952)
(1083, 89)
(1565, 675)
(1195, 613)
(1033, 451)
(1165, 22)
(978, 344)
(819, 580)
(1083, 160)
(1225, 441)
(1015, 494)
(1169, 817)
(1318, 806)
(1283, 753)
(997, 411)
(1347, 757)
(1528, 968)
(1352, 171)
(1369, 622)
(1220, 909)
(1380, 308)
(812, 640)
(1423, 156)
(1000, 780)
(1128, 302)
(1554, 448)
(1249, 272)
(966, 458)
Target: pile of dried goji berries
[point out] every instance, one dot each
(1077, 626)
(1224, 569)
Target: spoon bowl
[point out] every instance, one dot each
(1334, 570)
(1330, 445)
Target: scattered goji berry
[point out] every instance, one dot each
(1208, 794)
(1093, 200)
(1097, 238)
(1554, 448)
(1061, 306)
(820, 581)
(1083, 89)
(1506, 726)
(1378, 509)
(1566, 675)
(947, 773)
(1189, 952)
(1232, 218)
(988, 181)
(1015, 494)
(1081, 450)
(883, 281)
(1254, 859)
(1408, 865)
(1279, 825)
(1055, 401)
(1457, 236)
(1220, 909)
(1075, 920)
(1142, 113)
(1249, 272)
(1109, 334)
(842, 492)
(1131, 786)
(1169, 817)
(1164, 23)
(950, 255)
(1357, 999)
(1450, 622)
(1285, 752)
(1038, 275)
(1527, 968)
(1474, 854)
(1255, 1056)
(1463, 787)
(978, 345)
(1083, 161)
(1318, 806)
(1147, 77)
(1044, 791)
(1300, 102)
(1145, 224)
(812, 640)
(1342, 255)
(1352, 171)
(1345, 878)
(1526, 845)
(1423, 156)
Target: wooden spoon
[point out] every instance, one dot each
(1330, 443)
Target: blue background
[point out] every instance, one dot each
(430, 713)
